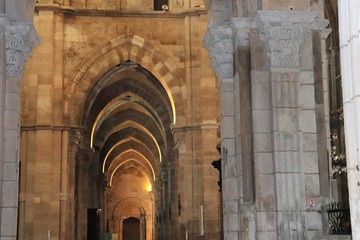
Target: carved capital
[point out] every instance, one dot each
(285, 32)
(219, 41)
(20, 39)
(76, 138)
(321, 26)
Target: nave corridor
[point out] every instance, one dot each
(127, 143)
(127, 118)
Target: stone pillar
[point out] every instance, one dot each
(166, 198)
(83, 161)
(176, 195)
(292, 135)
(266, 187)
(196, 182)
(75, 138)
(349, 28)
(46, 209)
(219, 41)
(18, 39)
(3, 24)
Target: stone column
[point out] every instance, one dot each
(83, 160)
(175, 195)
(18, 39)
(75, 138)
(166, 198)
(292, 135)
(219, 41)
(349, 28)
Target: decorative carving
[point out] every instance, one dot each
(285, 32)
(75, 142)
(20, 40)
(321, 26)
(219, 41)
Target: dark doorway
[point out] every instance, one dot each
(131, 229)
(92, 224)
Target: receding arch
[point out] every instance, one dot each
(146, 151)
(142, 129)
(121, 142)
(118, 102)
(126, 202)
(142, 170)
(120, 161)
(132, 150)
(121, 211)
(116, 51)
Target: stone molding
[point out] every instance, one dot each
(285, 32)
(20, 39)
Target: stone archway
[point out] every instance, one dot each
(68, 70)
(126, 96)
(116, 51)
(133, 208)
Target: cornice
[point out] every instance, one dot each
(50, 127)
(117, 13)
(204, 126)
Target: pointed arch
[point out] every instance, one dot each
(116, 51)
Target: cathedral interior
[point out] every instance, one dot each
(179, 119)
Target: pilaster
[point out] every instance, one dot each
(83, 163)
(196, 181)
(219, 41)
(283, 123)
(293, 130)
(19, 38)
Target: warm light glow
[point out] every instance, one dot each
(130, 123)
(149, 187)
(113, 173)
(118, 102)
(138, 126)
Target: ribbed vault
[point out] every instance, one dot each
(127, 119)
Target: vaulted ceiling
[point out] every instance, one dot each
(128, 118)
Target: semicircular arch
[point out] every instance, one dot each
(124, 203)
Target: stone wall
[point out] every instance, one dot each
(78, 47)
